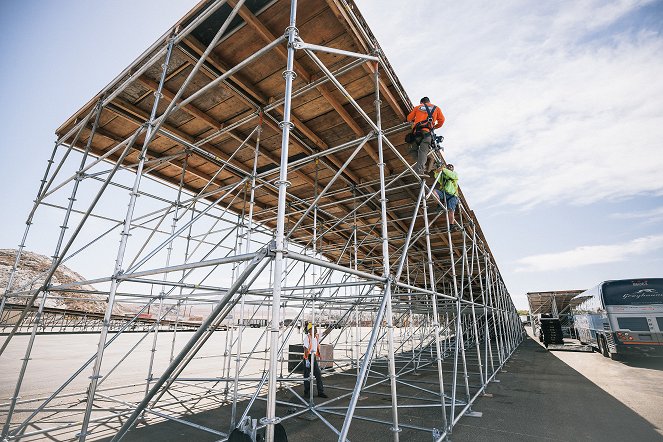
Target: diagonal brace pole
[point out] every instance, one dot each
(212, 318)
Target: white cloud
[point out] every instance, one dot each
(546, 102)
(648, 216)
(589, 255)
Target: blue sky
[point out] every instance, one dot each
(554, 115)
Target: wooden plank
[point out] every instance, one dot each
(191, 109)
(322, 118)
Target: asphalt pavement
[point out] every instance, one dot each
(565, 396)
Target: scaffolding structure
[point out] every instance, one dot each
(252, 162)
(59, 320)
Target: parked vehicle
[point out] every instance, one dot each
(622, 317)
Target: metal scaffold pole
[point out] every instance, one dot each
(279, 244)
(439, 357)
(386, 265)
(42, 302)
(28, 223)
(94, 379)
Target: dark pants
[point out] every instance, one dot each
(318, 378)
(419, 152)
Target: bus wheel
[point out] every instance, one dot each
(604, 347)
(615, 356)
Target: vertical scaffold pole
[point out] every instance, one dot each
(458, 338)
(436, 317)
(385, 259)
(59, 250)
(472, 300)
(289, 74)
(465, 326)
(56, 260)
(385, 305)
(493, 312)
(355, 248)
(162, 292)
(28, 224)
(247, 249)
(94, 379)
(186, 255)
(498, 314)
(314, 293)
(489, 309)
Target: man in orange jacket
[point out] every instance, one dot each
(424, 118)
(312, 352)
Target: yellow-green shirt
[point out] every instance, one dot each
(448, 180)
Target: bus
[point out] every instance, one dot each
(621, 317)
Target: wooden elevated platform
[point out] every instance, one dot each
(198, 142)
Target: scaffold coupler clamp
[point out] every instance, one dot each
(298, 43)
(286, 33)
(289, 124)
(272, 249)
(268, 421)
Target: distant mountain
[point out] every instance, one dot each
(30, 274)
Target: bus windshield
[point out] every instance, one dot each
(633, 292)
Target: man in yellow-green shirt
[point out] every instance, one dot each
(448, 191)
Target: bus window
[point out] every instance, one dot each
(633, 292)
(633, 323)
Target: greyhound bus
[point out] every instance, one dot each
(621, 317)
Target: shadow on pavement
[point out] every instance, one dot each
(644, 362)
(542, 398)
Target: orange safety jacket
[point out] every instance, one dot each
(419, 114)
(307, 351)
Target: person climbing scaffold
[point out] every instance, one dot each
(448, 192)
(425, 118)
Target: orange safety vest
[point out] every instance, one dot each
(307, 351)
(419, 115)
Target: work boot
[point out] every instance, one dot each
(322, 395)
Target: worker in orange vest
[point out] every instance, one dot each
(311, 356)
(425, 118)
